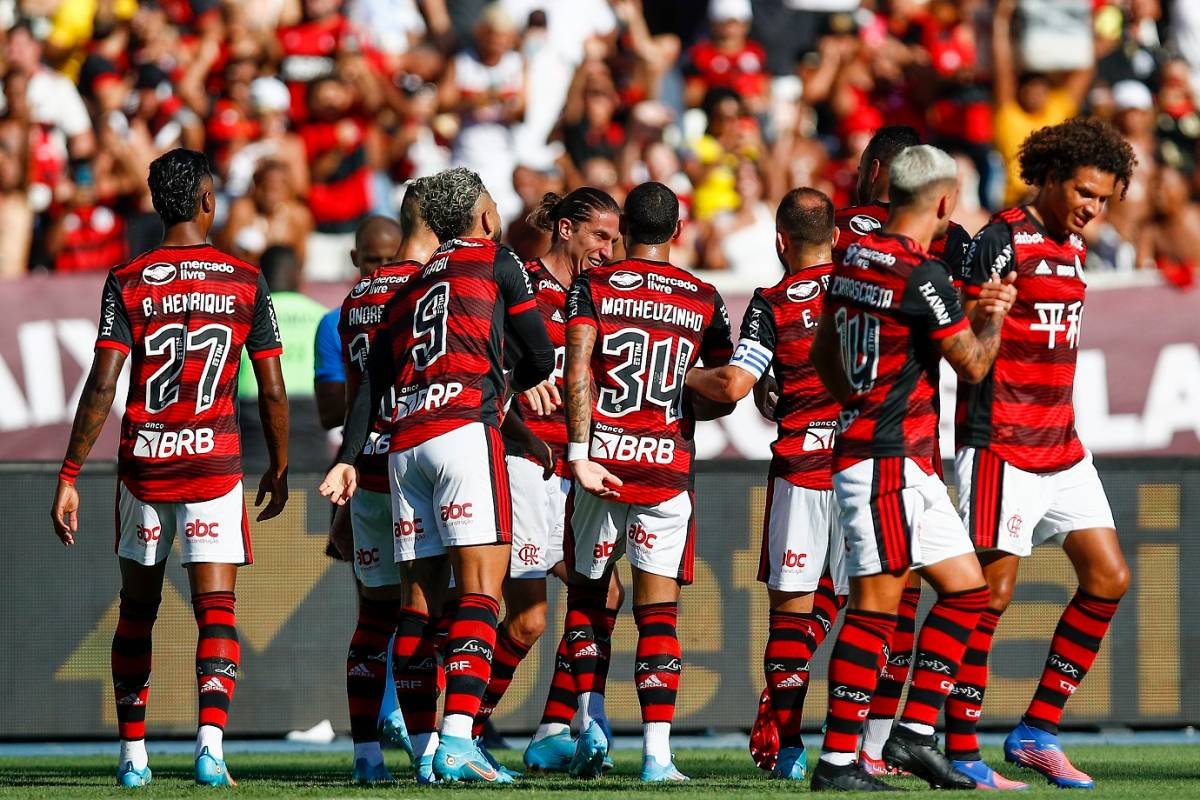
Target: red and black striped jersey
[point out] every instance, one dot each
(653, 322)
(183, 314)
(1023, 410)
(855, 222)
(891, 303)
(447, 336)
(364, 312)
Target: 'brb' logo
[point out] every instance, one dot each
(793, 559)
(198, 530)
(406, 528)
(146, 535)
(457, 511)
(639, 535)
(603, 550)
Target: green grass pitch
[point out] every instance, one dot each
(1142, 772)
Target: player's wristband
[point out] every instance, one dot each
(577, 451)
(69, 471)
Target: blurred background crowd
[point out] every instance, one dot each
(315, 113)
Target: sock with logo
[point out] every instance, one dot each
(468, 658)
(585, 624)
(131, 649)
(886, 701)
(826, 604)
(1073, 650)
(658, 661)
(965, 703)
(366, 666)
(560, 700)
(853, 672)
(943, 640)
(217, 655)
(508, 654)
(786, 665)
(416, 671)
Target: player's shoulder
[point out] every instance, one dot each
(797, 288)
(861, 220)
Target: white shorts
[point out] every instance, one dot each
(374, 551)
(802, 536)
(450, 491)
(896, 517)
(659, 539)
(539, 510)
(1009, 509)
(210, 532)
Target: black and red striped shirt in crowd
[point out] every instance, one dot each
(1023, 411)
(891, 303)
(183, 314)
(777, 333)
(653, 322)
(855, 222)
(363, 314)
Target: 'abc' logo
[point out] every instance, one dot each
(406, 528)
(640, 536)
(792, 559)
(198, 530)
(367, 558)
(603, 550)
(457, 511)
(147, 535)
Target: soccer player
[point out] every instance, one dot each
(1024, 478)
(891, 314)
(801, 537)
(377, 576)
(442, 354)
(635, 327)
(182, 313)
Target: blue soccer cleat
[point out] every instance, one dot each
(491, 759)
(211, 771)
(130, 778)
(551, 754)
(655, 772)
(1040, 751)
(607, 728)
(458, 760)
(791, 764)
(987, 778)
(423, 771)
(366, 773)
(392, 729)
(590, 749)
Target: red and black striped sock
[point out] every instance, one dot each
(366, 666)
(790, 646)
(1073, 650)
(560, 700)
(604, 642)
(217, 655)
(658, 661)
(507, 655)
(415, 670)
(886, 701)
(585, 624)
(944, 634)
(858, 654)
(826, 605)
(131, 656)
(468, 654)
(965, 703)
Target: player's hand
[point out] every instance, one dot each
(768, 396)
(543, 399)
(545, 457)
(594, 478)
(341, 536)
(65, 512)
(274, 483)
(997, 296)
(340, 484)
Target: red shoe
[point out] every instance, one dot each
(876, 768)
(764, 735)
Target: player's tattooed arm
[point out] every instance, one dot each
(825, 357)
(972, 352)
(577, 379)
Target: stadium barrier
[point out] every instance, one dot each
(296, 610)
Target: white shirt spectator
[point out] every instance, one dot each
(389, 25)
(484, 142)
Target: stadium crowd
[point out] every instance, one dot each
(316, 112)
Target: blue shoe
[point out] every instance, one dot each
(551, 754)
(1040, 751)
(131, 778)
(459, 760)
(211, 771)
(987, 778)
(392, 729)
(607, 728)
(366, 773)
(423, 770)
(491, 759)
(791, 764)
(590, 749)
(654, 772)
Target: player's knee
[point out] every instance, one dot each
(1000, 592)
(1111, 582)
(527, 628)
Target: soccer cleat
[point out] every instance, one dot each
(423, 771)
(459, 759)
(909, 750)
(130, 778)
(551, 754)
(828, 777)
(392, 729)
(987, 778)
(491, 759)
(606, 726)
(211, 771)
(1040, 751)
(590, 749)
(655, 772)
(791, 765)
(764, 734)
(366, 773)
(876, 767)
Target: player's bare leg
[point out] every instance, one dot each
(657, 667)
(217, 658)
(141, 592)
(414, 659)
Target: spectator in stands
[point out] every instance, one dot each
(730, 136)
(16, 215)
(270, 138)
(590, 125)
(1171, 242)
(1126, 216)
(86, 234)
(270, 215)
(742, 242)
(728, 58)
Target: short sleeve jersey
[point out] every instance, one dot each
(363, 314)
(446, 330)
(1024, 410)
(777, 332)
(184, 315)
(653, 323)
(891, 303)
(855, 222)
